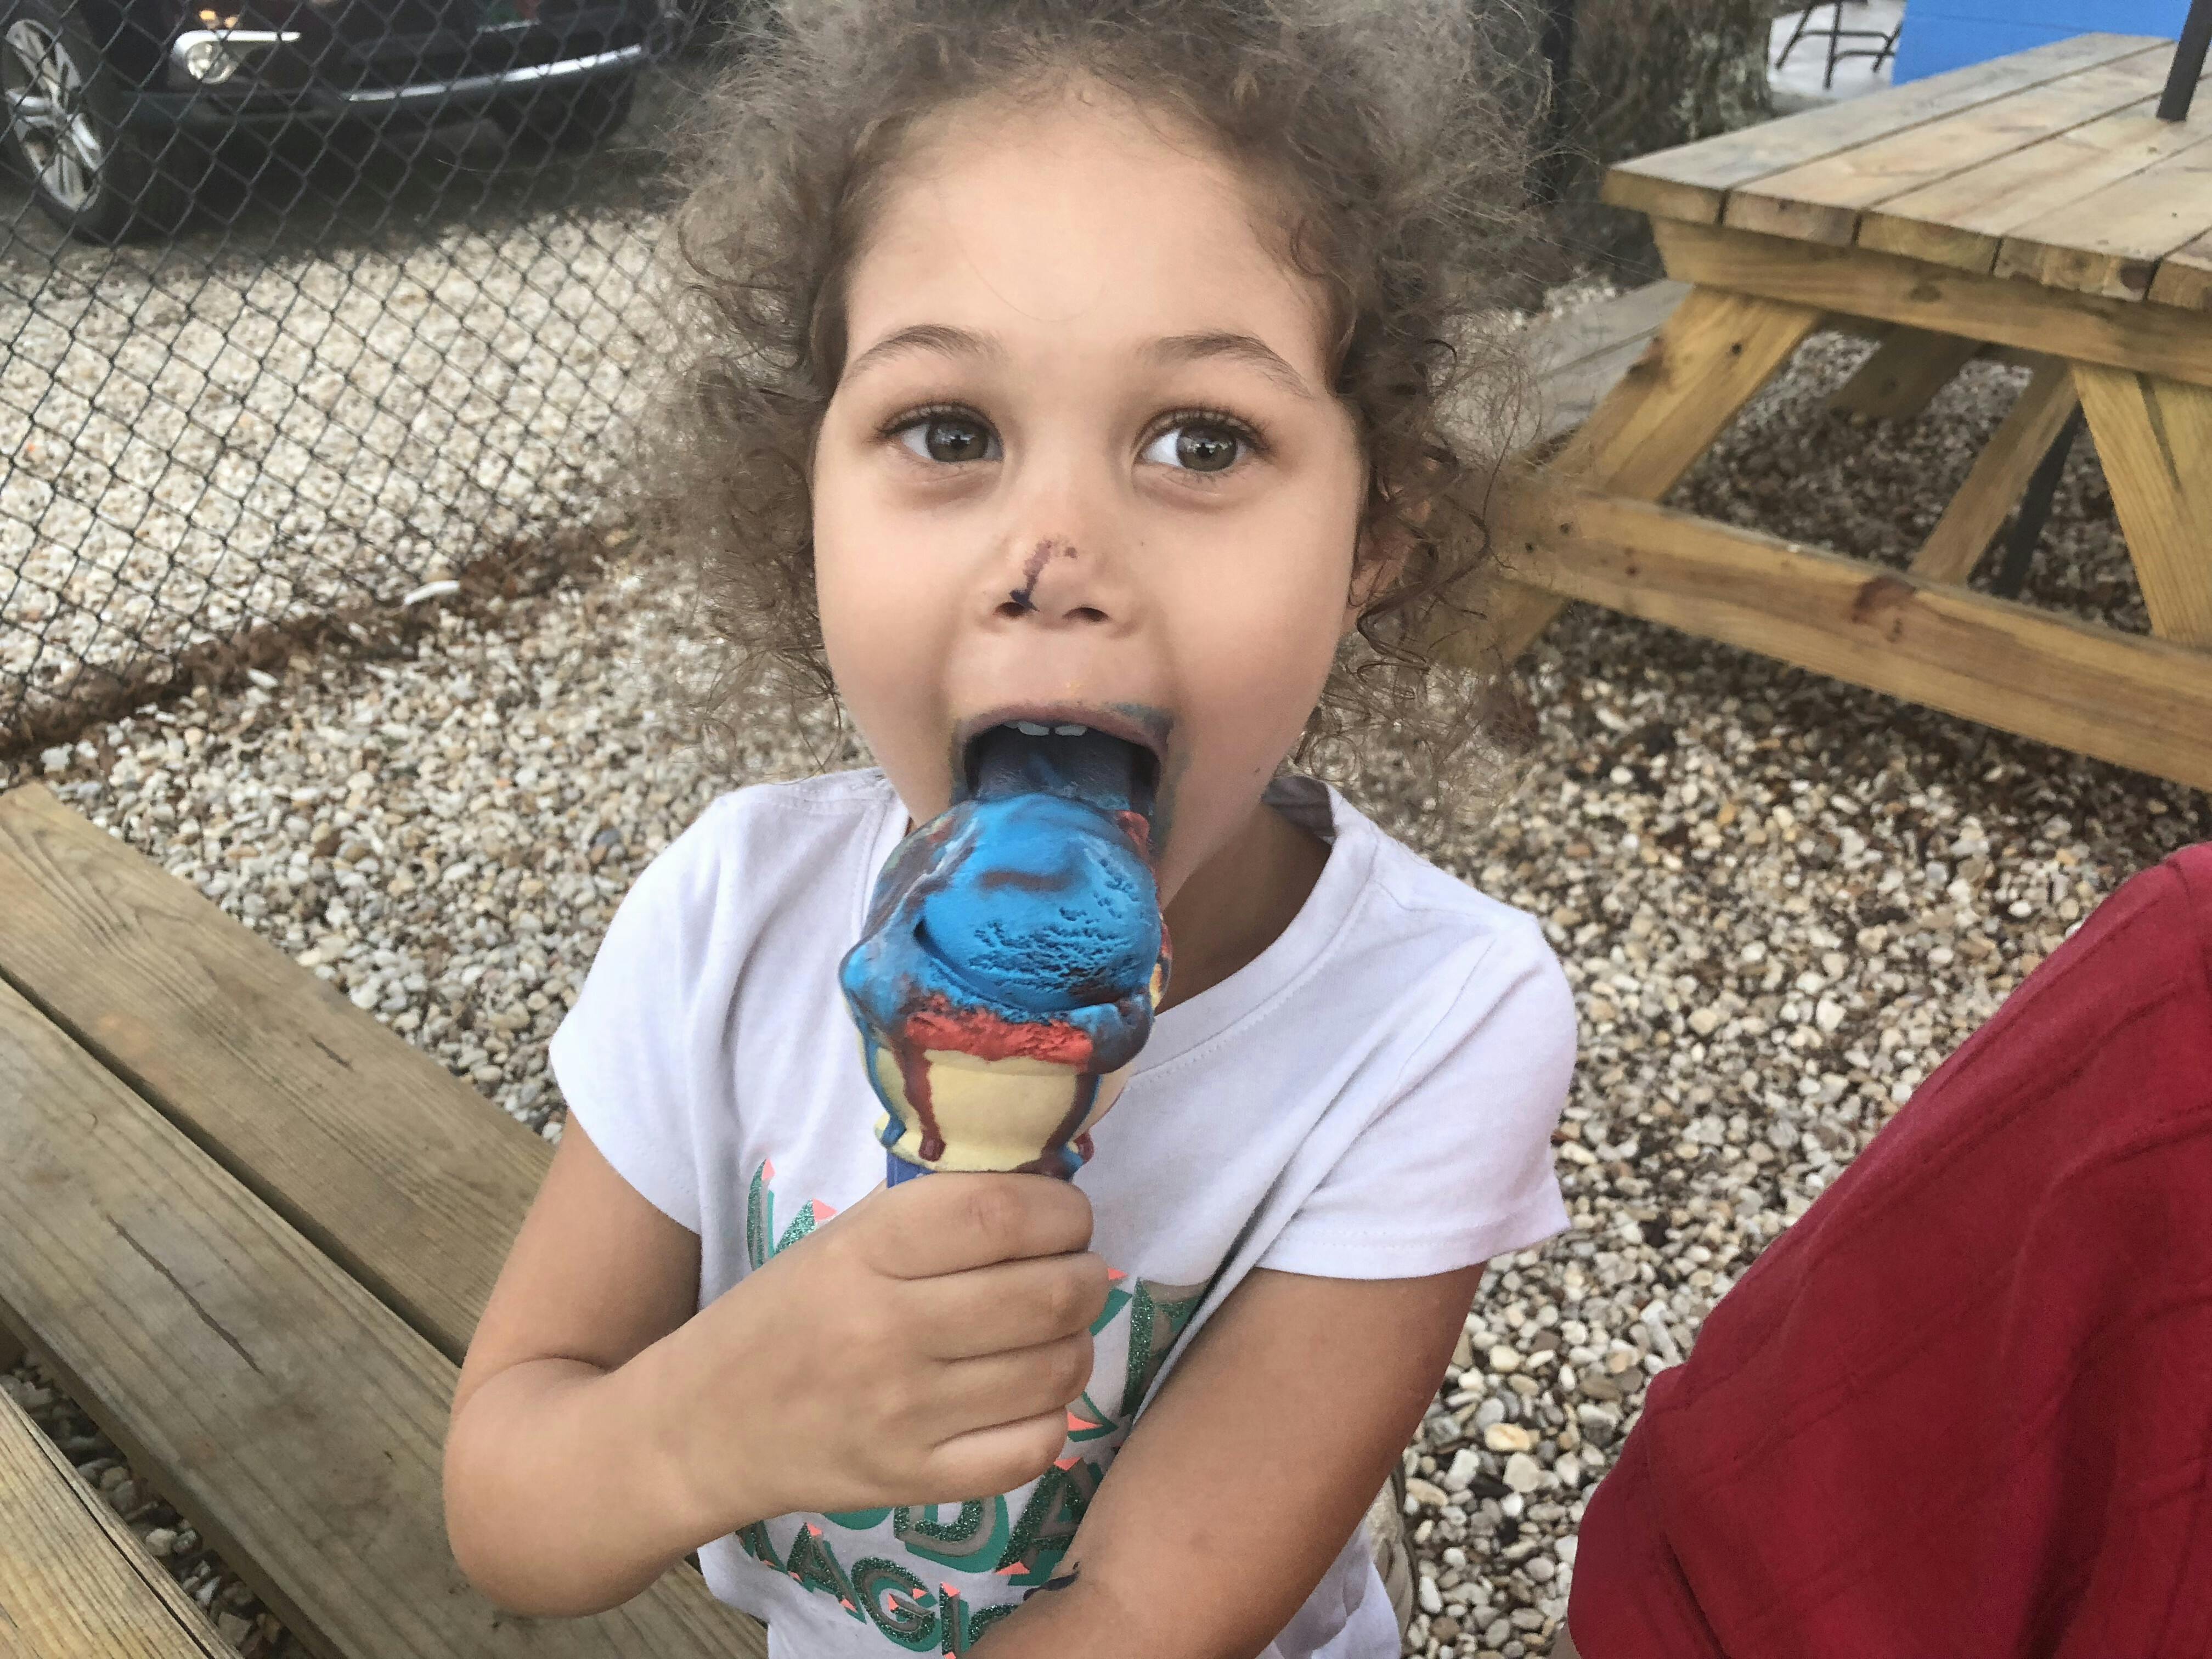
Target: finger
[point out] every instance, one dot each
(1009, 1304)
(948, 1223)
(1001, 1388)
(1003, 1457)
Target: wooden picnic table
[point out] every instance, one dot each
(2034, 208)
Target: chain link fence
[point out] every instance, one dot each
(306, 305)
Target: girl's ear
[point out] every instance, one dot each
(1379, 561)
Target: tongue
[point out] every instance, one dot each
(1094, 768)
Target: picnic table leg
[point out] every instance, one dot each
(1908, 369)
(2155, 436)
(1708, 360)
(2000, 477)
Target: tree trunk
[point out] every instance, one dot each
(1648, 74)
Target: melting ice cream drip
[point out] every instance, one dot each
(1010, 962)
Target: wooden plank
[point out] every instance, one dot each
(1822, 201)
(1692, 181)
(1964, 220)
(1908, 369)
(1713, 356)
(2154, 438)
(2111, 243)
(1575, 361)
(2140, 703)
(75, 1582)
(1999, 477)
(2086, 327)
(398, 1172)
(288, 1414)
(1604, 326)
(2184, 276)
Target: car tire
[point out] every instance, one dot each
(569, 118)
(98, 179)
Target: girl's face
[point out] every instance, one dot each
(1083, 465)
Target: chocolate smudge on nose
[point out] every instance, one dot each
(1034, 568)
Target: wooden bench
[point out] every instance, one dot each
(72, 1578)
(249, 1230)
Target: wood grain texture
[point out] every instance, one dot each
(1999, 479)
(1715, 353)
(1822, 201)
(2154, 438)
(2140, 703)
(75, 1582)
(2089, 328)
(2111, 243)
(1577, 360)
(404, 1175)
(284, 1410)
(1582, 357)
(2184, 276)
(1692, 182)
(1963, 220)
(1906, 370)
(1665, 407)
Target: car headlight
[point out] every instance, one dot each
(208, 57)
(208, 60)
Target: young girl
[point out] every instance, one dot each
(1075, 362)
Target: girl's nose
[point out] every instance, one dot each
(1058, 584)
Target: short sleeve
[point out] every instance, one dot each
(1457, 1166)
(625, 1055)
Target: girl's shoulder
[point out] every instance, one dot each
(765, 850)
(1415, 894)
(834, 813)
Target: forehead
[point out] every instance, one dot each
(1078, 218)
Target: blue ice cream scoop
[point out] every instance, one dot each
(1010, 965)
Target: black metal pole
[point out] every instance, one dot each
(2035, 509)
(2188, 62)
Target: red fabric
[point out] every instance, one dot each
(1963, 1407)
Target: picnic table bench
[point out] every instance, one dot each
(249, 1230)
(2036, 205)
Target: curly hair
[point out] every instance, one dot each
(1376, 133)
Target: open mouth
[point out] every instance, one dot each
(1065, 757)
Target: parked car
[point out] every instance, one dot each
(115, 106)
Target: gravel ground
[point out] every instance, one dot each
(1783, 902)
(276, 418)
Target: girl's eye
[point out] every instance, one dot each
(1197, 447)
(950, 439)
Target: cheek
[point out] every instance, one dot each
(877, 630)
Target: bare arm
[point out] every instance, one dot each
(920, 1346)
(557, 1497)
(1266, 1447)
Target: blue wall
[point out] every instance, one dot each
(1943, 34)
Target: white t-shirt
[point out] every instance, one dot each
(1372, 1096)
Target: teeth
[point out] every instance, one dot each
(1031, 729)
(1071, 731)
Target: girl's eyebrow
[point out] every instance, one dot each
(927, 336)
(1174, 349)
(1236, 348)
